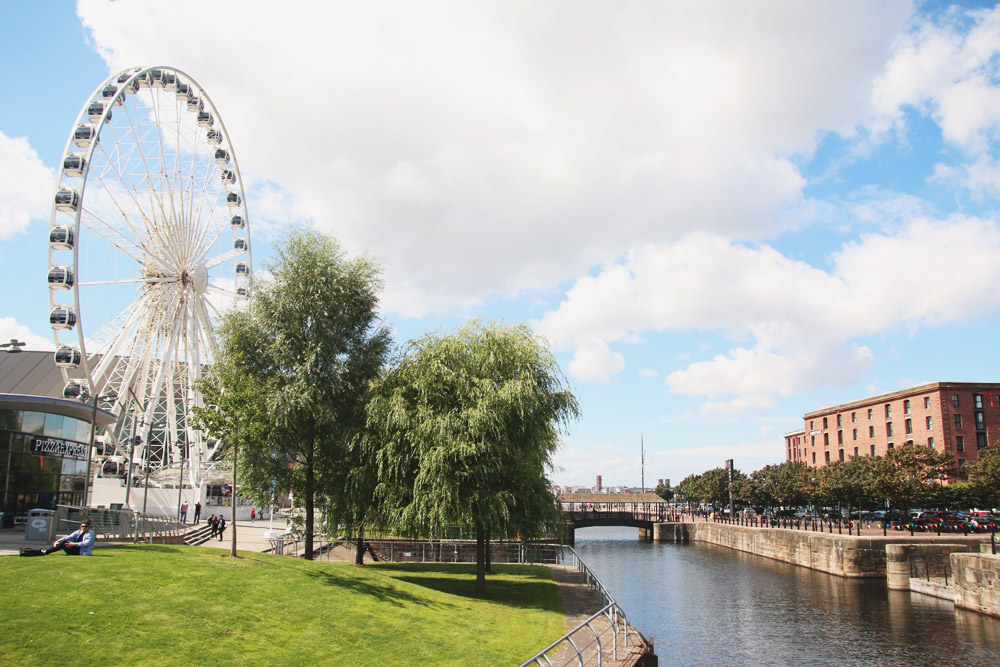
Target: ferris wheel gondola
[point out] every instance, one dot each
(143, 257)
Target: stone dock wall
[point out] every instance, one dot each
(843, 555)
(976, 582)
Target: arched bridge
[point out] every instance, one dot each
(637, 510)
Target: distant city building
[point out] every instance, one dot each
(961, 418)
(598, 486)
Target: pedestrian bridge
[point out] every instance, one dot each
(636, 510)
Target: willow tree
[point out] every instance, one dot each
(464, 426)
(307, 346)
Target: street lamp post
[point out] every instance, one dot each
(180, 480)
(90, 451)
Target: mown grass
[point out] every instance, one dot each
(193, 606)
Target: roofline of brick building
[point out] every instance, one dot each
(904, 393)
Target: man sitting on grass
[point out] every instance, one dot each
(77, 543)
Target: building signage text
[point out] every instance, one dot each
(50, 447)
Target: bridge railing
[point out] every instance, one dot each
(607, 634)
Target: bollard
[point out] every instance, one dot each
(994, 541)
(911, 529)
(840, 528)
(884, 524)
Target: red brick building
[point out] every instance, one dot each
(961, 418)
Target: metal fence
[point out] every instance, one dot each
(118, 525)
(607, 635)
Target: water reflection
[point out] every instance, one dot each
(707, 605)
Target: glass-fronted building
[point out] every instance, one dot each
(45, 451)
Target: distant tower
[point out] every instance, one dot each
(598, 483)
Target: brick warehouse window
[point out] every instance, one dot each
(906, 407)
(908, 426)
(980, 441)
(927, 402)
(827, 457)
(870, 413)
(980, 421)
(888, 429)
(873, 450)
(977, 401)
(840, 421)
(888, 410)
(855, 434)
(930, 423)
(855, 451)
(824, 423)
(854, 417)
(840, 437)
(958, 421)
(954, 400)
(871, 431)
(930, 442)
(826, 439)
(841, 454)
(959, 443)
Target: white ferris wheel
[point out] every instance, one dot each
(149, 242)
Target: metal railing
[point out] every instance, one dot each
(587, 643)
(118, 525)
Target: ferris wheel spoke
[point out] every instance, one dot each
(109, 233)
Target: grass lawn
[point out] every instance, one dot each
(186, 605)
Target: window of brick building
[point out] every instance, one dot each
(888, 410)
(980, 421)
(959, 443)
(824, 423)
(980, 441)
(855, 434)
(854, 417)
(873, 450)
(840, 437)
(871, 431)
(892, 446)
(814, 458)
(826, 439)
(888, 429)
(855, 451)
(841, 454)
(930, 423)
(827, 456)
(908, 425)
(927, 402)
(840, 421)
(977, 401)
(954, 400)
(870, 414)
(930, 442)
(958, 421)
(906, 407)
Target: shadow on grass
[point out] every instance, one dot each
(526, 592)
(375, 590)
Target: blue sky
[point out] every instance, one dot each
(722, 215)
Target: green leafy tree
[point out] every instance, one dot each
(309, 343)
(664, 491)
(464, 426)
(781, 485)
(902, 475)
(690, 490)
(715, 485)
(984, 475)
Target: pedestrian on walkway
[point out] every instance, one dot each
(214, 524)
(222, 526)
(253, 514)
(197, 513)
(184, 512)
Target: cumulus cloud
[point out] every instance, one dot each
(491, 149)
(805, 323)
(26, 186)
(596, 362)
(9, 328)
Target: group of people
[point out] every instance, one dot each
(218, 525)
(197, 512)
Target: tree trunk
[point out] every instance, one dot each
(310, 455)
(480, 562)
(359, 552)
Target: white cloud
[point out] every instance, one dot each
(9, 328)
(26, 186)
(804, 322)
(494, 148)
(950, 71)
(596, 362)
(648, 373)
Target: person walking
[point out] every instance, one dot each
(253, 514)
(214, 524)
(222, 526)
(184, 512)
(197, 513)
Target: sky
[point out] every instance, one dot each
(720, 215)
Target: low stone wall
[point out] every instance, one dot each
(924, 568)
(976, 582)
(842, 555)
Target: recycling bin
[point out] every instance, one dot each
(38, 525)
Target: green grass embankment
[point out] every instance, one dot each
(185, 605)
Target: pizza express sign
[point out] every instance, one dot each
(50, 447)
